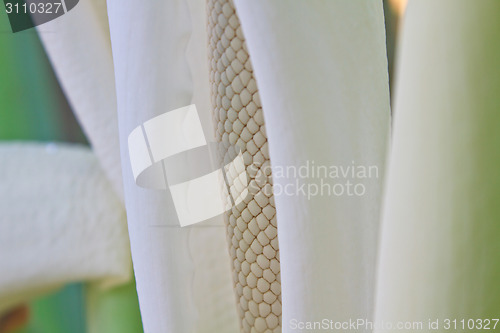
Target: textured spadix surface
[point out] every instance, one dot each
(61, 221)
(440, 249)
(321, 69)
(239, 121)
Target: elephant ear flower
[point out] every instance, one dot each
(321, 72)
(325, 99)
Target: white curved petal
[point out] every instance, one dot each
(60, 221)
(183, 276)
(440, 239)
(321, 68)
(79, 48)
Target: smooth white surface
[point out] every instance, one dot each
(321, 69)
(198, 199)
(439, 248)
(174, 132)
(60, 221)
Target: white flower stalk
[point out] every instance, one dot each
(321, 68)
(439, 251)
(61, 222)
(160, 58)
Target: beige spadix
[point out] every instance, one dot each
(239, 125)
